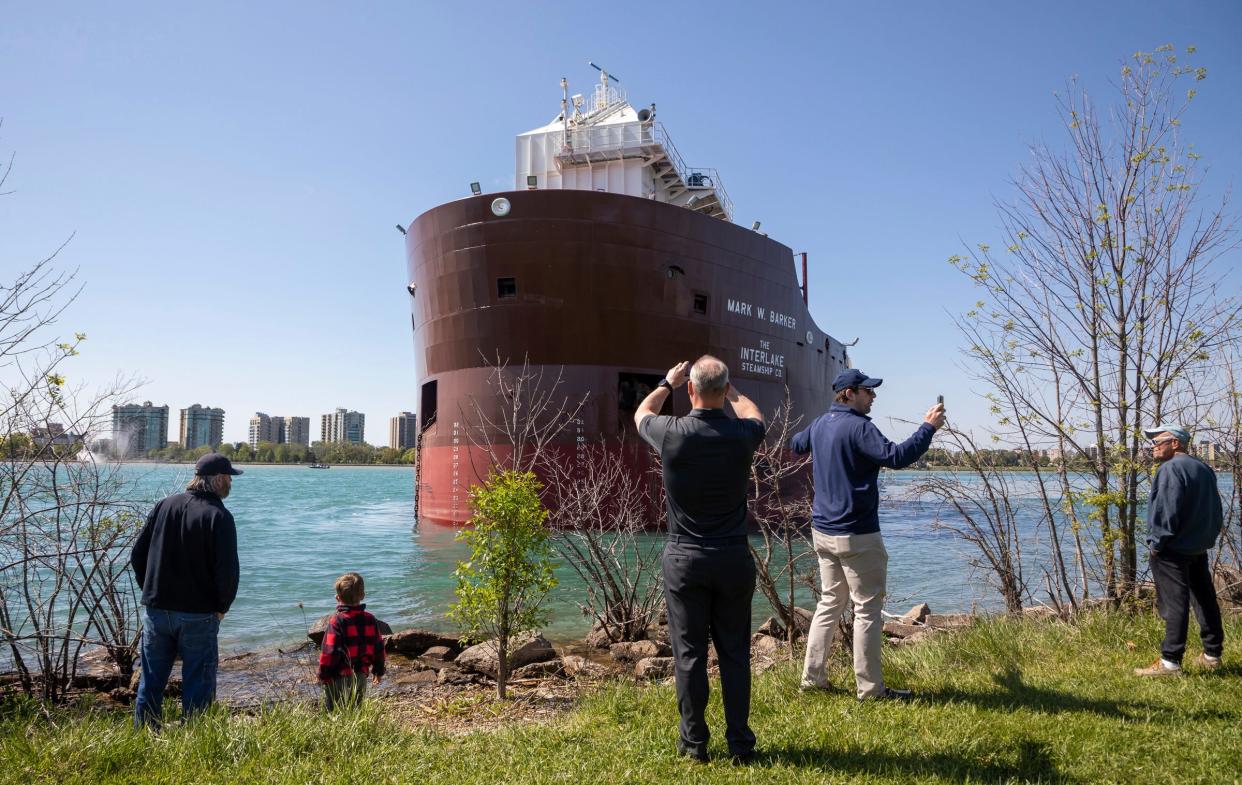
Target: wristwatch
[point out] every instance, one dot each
(666, 384)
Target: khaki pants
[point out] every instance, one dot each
(852, 566)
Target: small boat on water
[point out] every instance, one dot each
(320, 466)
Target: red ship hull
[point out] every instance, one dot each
(605, 292)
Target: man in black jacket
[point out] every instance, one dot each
(185, 562)
(1184, 519)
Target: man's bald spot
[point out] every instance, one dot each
(710, 376)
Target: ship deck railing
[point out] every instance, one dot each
(649, 141)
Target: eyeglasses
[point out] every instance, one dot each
(1155, 442)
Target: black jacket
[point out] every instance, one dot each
(186, 555)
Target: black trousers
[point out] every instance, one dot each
(709, 590)
(1182, 580)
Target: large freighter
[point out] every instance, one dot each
(615, 262)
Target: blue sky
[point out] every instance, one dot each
(232, 173)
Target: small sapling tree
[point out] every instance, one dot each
(500, 589)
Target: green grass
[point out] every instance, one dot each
(1001, 702)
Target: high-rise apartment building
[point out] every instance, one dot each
(343, 426)
(403, 431)
(201, 425)
(136, 430)
(260, 429)
(296, 431)
(279, 430)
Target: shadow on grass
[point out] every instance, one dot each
(1028, 760)
(1015, 693)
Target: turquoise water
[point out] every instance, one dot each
(298, 529)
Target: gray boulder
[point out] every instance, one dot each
(654, 668)
(946, 621)
(581, 667)
(898, 629)
(540, 670)
(633, 651)
(772, 627)
(415, 642)
(483, 657)
(452, 675)
(917, 614)
(803, 618)
(765, 644)
(439, 653)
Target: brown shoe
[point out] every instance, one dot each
(1158, 668)
(1207, 663)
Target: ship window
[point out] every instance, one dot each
(428, 408)
(700, 303)
(506, 288)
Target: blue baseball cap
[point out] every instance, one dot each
(1171, 428)
(853, 377)
(214, 463)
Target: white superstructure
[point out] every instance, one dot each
(610, 146)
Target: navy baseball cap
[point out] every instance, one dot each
(853, 377)
(214, 463)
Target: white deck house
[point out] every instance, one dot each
(612, 147)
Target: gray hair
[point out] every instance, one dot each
(212, 483)
(710, 376)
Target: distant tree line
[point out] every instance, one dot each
(270, 452)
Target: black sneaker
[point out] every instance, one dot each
(694, 755)
(891, 694)
(742, 758)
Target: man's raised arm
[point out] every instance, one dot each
(743, 407)
(654, 401)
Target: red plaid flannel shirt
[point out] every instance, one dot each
(351, 644)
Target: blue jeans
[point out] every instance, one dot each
(167, 635)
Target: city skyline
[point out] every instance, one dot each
(172, 144)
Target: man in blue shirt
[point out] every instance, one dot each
(848, 451)
(1184, 518)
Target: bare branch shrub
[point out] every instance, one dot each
(602, 509)
(781, 507)
(66, 521)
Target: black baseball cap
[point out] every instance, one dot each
(214, 463)
(853, 377)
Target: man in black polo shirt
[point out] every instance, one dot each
(709, 575)
(185, 562)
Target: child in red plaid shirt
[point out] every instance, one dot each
(352, 647)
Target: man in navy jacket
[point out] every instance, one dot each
(848, 452)
(1184, 518)
(185, 562)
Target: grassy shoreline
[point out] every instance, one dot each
(1002, 701)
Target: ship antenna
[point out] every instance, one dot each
(602, 96)
(565, 148)
(604, 75)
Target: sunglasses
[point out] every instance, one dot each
(1154, 442)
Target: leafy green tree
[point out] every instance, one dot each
(409, 456)
(500, 589)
